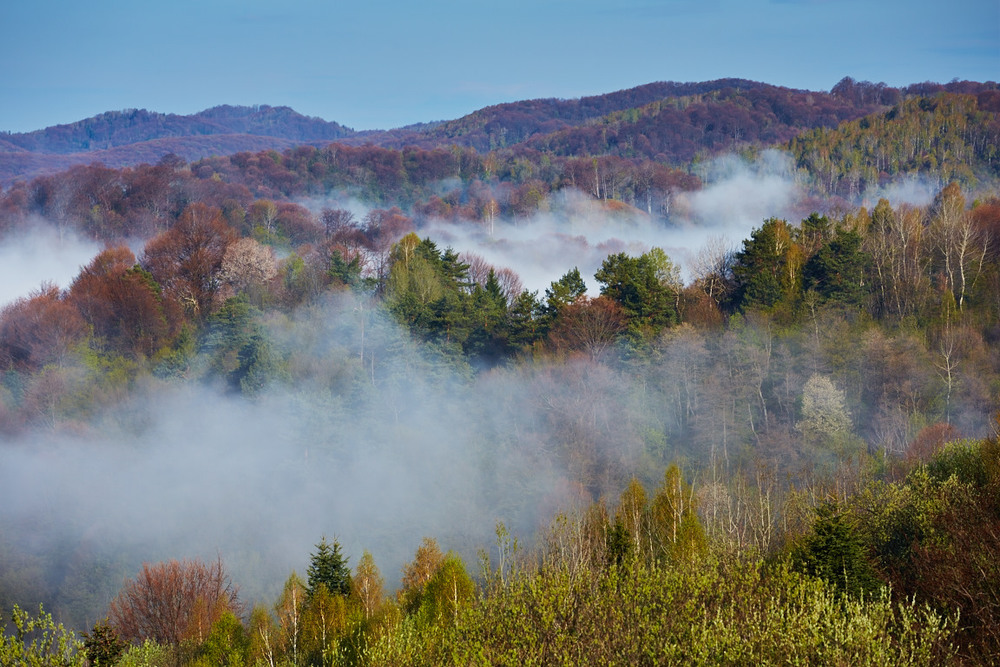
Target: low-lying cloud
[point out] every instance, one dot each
(43, 255)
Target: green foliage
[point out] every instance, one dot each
(837, 271)
(707, 613)
(767, 269)
(103, 646)
(37, 641)
(618, 549)
(227, 644)
(147, 654)
(946, 137)
(646, 289)
(967, 460)
(447, 592)
(833, 552)
(329, 568)
(344, 272)
(239, 349)
(563, 292)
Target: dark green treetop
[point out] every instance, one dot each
(328, 567)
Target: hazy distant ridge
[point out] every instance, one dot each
(120, 128)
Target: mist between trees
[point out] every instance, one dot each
(209, 398)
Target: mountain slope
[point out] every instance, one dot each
(119, 128)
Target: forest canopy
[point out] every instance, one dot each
(292, 362)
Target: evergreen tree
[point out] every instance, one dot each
(643, 287)
(328, 567)
(834, 552)
(837, 270)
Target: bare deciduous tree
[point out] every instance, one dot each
(169, 602)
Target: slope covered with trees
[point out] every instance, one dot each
(788, 452)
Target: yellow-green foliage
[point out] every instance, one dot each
(738, 613)
(37, 641)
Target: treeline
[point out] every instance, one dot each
(917, 285)
(947, 137)
(113, 205)
(895, 570)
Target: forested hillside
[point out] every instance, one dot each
(287, 396)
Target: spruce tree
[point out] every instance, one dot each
(328, 567)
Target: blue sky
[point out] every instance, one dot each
(384, 63)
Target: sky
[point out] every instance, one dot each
(382, 64)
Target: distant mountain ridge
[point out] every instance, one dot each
(131, 126)
(667, 122)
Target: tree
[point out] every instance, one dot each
(896, 245)
(588, 325)
(169, 602)
(39, 330)
(239, 348)
(675, 530)
(328, 567)
(288, 610)
(123, 304)
(103, 646)
(645, 288)
(337, 221)
(960, 246)
(767, 269)
(833, 551)
(837, 271)
(417, 573)
(826, 422)
(632, 514)
(446, 591)
(248, 266)
(39, 642)
(187, 259)
(263, 214)
(227, 644)
(367, 585)
(564, 291)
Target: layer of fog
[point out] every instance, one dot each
(574, 230)
(40, 256)
(373, 445)
(913, 190)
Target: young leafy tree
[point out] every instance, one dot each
(448, 589)
(416, 574)
(288, 610)
(328, 567)
(368, 584)
(227, 644)
(676, 531)
(39, 642)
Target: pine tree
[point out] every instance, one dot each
(328, 567)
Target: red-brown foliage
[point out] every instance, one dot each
(122, 304)
(38, 330)
(588, 325)
(170, 602)
(186, 259)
